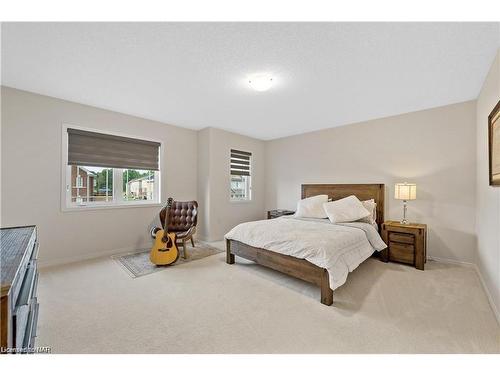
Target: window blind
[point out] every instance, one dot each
(240, 163)
(105, 150)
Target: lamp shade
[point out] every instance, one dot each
(405, 191)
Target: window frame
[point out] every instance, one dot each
(250, 192)
(246, 200)
(118, 202)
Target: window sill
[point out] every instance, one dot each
(109, 206)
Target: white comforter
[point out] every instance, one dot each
(339, 248)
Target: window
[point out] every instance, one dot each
(79, 181)
(93, 184)
(240, 188)
(241, 183)
(138, 185)
(103, 170)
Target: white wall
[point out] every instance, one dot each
(203, 184)
(432, 148)
(488, 197)
(31, 176)
(196, 167)
(214, 179)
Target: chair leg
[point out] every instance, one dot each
(184, 254)
(192, 241)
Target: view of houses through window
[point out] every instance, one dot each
(91, 184)
(240, 187)
(95, 184)
(138, 184)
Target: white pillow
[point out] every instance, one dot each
(312, 207)
(371, 206)
(345, 210)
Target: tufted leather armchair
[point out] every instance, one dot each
(182, 221)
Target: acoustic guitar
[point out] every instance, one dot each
(164, 251)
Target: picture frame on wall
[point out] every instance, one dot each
(494, 145)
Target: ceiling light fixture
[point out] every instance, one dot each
(260, 82)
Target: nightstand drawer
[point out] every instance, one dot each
(406, 243)
(401, 237)
(399, 252)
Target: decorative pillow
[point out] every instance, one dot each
(312, 207)
(371, 206)
(345, 210)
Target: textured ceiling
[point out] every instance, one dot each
(194, 75)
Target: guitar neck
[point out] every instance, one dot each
(167, 220)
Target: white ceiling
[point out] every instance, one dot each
(194, 74)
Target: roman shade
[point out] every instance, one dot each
(104, 150)
(240, 163)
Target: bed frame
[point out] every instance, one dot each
(301, 268)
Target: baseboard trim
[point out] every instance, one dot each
(481, 279)
(486, 290)
(450, 261)
(88, 256)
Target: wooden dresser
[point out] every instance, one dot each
(406, 243)
(18, 282)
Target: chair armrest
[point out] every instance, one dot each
(186, 234)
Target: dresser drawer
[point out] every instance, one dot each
(403, 253)
(19, 279)
(30, 334)
(34, 254)
(401, 238)
(25, 305)
(28, 286)
(27, 262)
(21, 317)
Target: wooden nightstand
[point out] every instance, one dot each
(273, 214)
(407, 243)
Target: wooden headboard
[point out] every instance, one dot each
(361, 191)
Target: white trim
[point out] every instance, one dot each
(450, 261)
(488, 295)
(117, 187)
(481, 279)
(66, 204)
(104, 206)
(88, 256)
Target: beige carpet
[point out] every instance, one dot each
(208, 306)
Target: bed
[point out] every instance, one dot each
(286, 253)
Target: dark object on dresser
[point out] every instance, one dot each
(407, 243)
(301, 268)
(273, 214)
(182, 221)
(18, 282)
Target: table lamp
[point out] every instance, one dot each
(405, 192)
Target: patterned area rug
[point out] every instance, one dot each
(137, 263)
